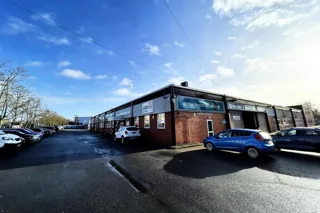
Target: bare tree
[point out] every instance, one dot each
(9, 77)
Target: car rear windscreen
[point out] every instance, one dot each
(132, 128)
(265, 135)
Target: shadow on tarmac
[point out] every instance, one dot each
(201, 164)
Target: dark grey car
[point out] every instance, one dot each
(299, 138)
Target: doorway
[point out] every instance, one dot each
(210, 128)
(250, 120)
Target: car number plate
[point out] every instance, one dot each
(134, 132)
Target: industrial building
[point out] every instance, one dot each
(177, 114)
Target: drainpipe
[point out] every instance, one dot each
(294, 121)
(276, 117)
(104, 123)
(227, 117)
(131, 118)
(304, 118)
(173, 122)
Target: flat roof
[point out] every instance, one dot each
(197, 90)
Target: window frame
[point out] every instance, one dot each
(164, 123)
(144, 122)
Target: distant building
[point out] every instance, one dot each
(83, 120)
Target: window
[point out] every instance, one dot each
(225, 134)
(291, 132)
(161, 121)
(147, 121)
(132, 128)
(136, 122)
(238, 133)
(127, 122)
(312, 133)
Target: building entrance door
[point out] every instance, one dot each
(210, 127)
(250, 120)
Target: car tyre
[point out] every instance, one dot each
(209, 147)
(278, 149)
(253, 153)
(115, 139)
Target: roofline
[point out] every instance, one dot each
(198, 90)
(162, 88)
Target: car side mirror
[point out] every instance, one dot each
(216, 136)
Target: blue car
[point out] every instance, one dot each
(249, 141)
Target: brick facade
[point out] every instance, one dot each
(154, 136)
(192, 127)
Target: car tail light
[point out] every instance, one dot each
(126, 132)
(258, 137)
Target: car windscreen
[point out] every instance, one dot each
(265, 135)
(132, 128)
(24, 130)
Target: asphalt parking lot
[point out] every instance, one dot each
(70, 172)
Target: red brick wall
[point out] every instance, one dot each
(193, 129)
(153, 135)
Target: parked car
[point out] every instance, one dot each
(46, 132)
(126, 133)
(10, 142)
(29, 138)
(50, 128)
(298, 138)
(37, 134)
(249, 141)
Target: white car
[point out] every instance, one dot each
(126, 133)
(10, 141)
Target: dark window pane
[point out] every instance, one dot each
(132, 128)
(209, 126)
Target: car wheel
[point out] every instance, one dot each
(122, 140)
(278, 149)
(209, 147)
(253, 153)
(115, 139)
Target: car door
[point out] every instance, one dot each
(223, 140)
(287, 139)
(240, 139)
(308, 139)
(118, 133)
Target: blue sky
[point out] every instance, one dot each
(262, 50)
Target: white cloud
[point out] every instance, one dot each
(15, 26)
(122, 92)
(76, 74)
(46, 17)
(53, 39)
(207, 78)
(102, 52)
(114, 78)
(152, 49)
(175, 80)
(208, 16)
(86, 40)
(64, 63)
(126, 82)
(255, 14)
(224, 71)
(169, 68)
(132, 63)
(34, 64)
(104, 76)
(215, 62)
(237, 55)
(217, 53)
(232, 38)
(255, 65)
(250, 46)
(178, 44)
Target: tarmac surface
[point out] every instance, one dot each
(70, 172)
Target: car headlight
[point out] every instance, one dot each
(7, 139)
